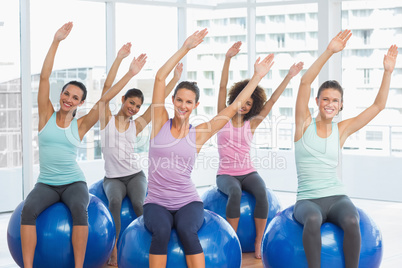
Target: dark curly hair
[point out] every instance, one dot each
(259, 98)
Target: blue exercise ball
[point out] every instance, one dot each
(54, 228)
(282, 244)
(127, 214)
(218, 240)
(216, 201)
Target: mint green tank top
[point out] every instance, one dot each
(58, 148)
(317, 162)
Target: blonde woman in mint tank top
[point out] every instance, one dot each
(60, 135)
(123, 174)
(172, 198)
(321, 197)
(236, 171)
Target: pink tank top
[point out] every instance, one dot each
(171, 161)
(234, 150)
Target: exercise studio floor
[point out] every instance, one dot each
(387, 215)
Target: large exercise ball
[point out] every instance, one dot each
(54, 228)
(127, 214)
(218, 240)
(282, 245)
(216, 201)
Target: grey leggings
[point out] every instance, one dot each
(75, 196)
(232, 186)
(339, 210)
(134, 186)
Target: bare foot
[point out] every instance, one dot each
(113, 258)
(257, 246)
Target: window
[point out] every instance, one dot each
(288, 92)
(288, 112)
(209, 91)
(192, 75)
(374, 135)
(366, 74)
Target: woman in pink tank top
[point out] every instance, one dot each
(236, 171)
(161, 214)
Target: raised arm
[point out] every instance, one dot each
(142, 121)
(233, 50)
(86, 122)
(208, 129)
(121, 54)
(303, 116)
(266, 109)
(350, 126)
(159, 113)
(45, 107)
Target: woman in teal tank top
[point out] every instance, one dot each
(321, 196)
(60, 134)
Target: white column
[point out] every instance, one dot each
(182, 34)
(110, 34)
(26, 98)
(329, 24)
(251, 32)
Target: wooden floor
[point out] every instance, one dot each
(248, 261)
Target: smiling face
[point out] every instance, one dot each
(131, 106)
(184, 103)
(245, 109)
(329, 103)
(71, 98)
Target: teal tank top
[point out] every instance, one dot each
(317, 162)
(58, 148)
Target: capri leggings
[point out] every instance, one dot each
(232, 186)
(134, 186)
(187, 221)
(75, 196)
(338, 209)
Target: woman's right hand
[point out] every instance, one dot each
(63, 32)
(124, 51)
(195, 39)
(263, 67)
(233, 50)
(338, 43)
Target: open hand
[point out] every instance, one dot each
(63, 32)
(137, 64)
(195, 39)
(263, 67)
(390, 59)
(338, 43)
(233, 50)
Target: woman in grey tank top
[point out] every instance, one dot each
(316, 204)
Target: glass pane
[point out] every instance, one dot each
(225, 27)
(290, 32)
(10, 85)
(375, 149)
(81, 56)
(157, 38)
(362, 62)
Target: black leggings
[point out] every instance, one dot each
(75, 196)
(116, 189)
(187, 221)
(339, 210)
(232, 186)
